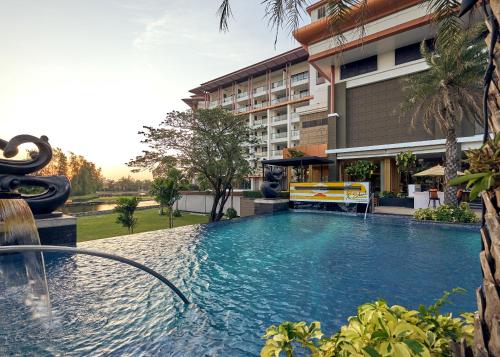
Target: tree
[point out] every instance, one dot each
(360, 170)
(126, 208)
(406, 162)
(166, 191)
(449, 92)
(209, 144)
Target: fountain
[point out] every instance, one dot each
(53, 227)
(23, 217)
(271, 188)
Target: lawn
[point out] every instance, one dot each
(104, 226)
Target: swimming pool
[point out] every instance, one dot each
(241, 277)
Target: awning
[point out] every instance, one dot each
(437, 170)
(299, 161)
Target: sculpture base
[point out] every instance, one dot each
(270, 205)
(57, 229)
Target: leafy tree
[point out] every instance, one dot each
(406, 162)
(449, 92)
(360, 170)
(209, 144)
(166, 191)
(126, 208)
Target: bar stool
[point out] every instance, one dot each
(433, 196)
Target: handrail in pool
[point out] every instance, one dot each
(57, 249)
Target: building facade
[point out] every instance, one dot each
(340, 100)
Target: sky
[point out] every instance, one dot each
(90, 73)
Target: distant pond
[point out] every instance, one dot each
(97, 207)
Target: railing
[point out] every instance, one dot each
(260, 105)
(261, 154)
(278, 135)
(280, 118)
(299, 77)
(295, 116)
(262, 139)
(227, 100)
(277, 153)
(260, 122)
(213, 104)
(242, 95)
(279, 100)
(277, 84)
(300, 95)
(260, 90)
(295, 133)
(242, 109)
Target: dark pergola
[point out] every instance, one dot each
(297, 162)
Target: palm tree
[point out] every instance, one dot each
(449, 92)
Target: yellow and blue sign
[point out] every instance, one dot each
(341, 192)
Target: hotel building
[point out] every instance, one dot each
(339, 101)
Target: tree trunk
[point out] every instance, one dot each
(451, 168)
(215, 204)
(225, 197)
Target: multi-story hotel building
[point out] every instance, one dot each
(339, 101)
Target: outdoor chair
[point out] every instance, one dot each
(433, 197)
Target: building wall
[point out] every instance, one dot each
(316, 134)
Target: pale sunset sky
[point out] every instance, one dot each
(89, 73)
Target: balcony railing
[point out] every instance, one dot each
(280, 118)
(295, 134)
(278, 135)
(242, 109)
(295, 116)
(262, 139)
(227, 100)
(260, 90)
(279, 100)
(213, 104)
(261, 122)
(277, 84)
(260, 105)
(300, 77)
(242, 95)
(300, 95)
(277, 153)
(261, 154)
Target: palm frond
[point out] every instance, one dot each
(284, 14)
(224, 13)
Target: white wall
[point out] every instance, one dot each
(201, 203)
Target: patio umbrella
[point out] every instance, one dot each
(437, 170)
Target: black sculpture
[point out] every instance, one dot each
(271, 186)
(13, 175)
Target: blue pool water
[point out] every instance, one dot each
(241, 277)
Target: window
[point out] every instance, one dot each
(313, 123)
(357, 68)
(321, 12)
(411, 52)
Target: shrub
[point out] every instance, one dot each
(231, 213)
(177, 213)
(376, 330)
(387, 194)
(360, 170)
(446, 213)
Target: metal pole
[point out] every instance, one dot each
(56, 249)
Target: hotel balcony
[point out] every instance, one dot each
(259, 123)
(242, 109)
(278, 86)
(262, 139)
(280, 119)
(261, 155)
(227, 101)
(259, 91)
(242, 96)
(213, 104)
(295, 134)
(276, 154)
(279, 137)
(300, 95)
(279, 100)
(295, 117)
(300, 78)
(260, 105)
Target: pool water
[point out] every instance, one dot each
(241, 277)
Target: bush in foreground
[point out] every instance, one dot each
(446, 213)
(377, 330)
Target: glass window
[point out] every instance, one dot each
(411, 52)
(357, 68)
(321, 12)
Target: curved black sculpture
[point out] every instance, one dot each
(271, 186)
(13, 175)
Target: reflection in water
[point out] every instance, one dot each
(79, 208)
(22, 276)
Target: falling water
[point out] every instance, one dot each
(17, 227)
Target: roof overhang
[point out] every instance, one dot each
(294, 56)
(299, 161)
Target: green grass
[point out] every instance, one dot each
(106, 199)
(104, 226)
